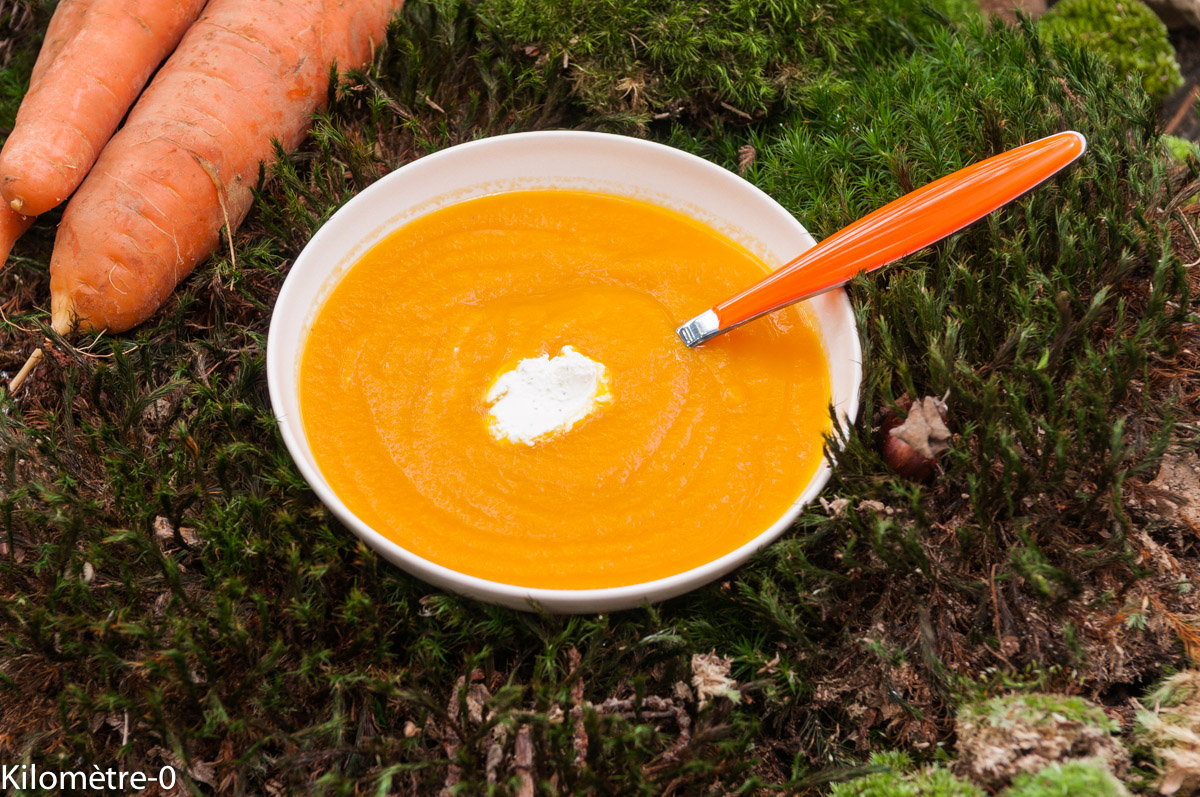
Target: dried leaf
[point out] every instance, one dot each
(874, 507)
(746, 157)
(710, 677)
(1177, 488)
(163, 531)
(203, 772)
(924, 429)
(477, 696)
(834, 508)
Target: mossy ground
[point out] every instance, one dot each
(1067, 780)
(171, 588)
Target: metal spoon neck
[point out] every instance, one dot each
(699, 329)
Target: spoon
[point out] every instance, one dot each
(899, 228)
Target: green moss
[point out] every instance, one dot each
(693, 57)
(1068, 780)
(899, 780)
(1125, 33)
(22, 22)
(1038, 709)
(1180, 148)
(1006, 738)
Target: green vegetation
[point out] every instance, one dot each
(1181, 148)
(171, 588)
(898, 781)
(1068, 780)
(1125, 33)
(1037, 709)
(1010, 738)
(668, 58)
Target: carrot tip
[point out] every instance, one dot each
(63, 318)
(63, 324)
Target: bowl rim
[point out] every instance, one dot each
(579, 601)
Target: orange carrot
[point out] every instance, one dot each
(63, 26)
(187, 159)
(12, 224)
(79, 99)
(66, 22)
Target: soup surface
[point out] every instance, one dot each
(691, 454)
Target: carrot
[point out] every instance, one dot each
(12, 224)
(63, 26)
(67, 19)
(185, 163)
(80, 96)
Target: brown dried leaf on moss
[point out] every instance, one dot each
(925, 428)
(710, 677)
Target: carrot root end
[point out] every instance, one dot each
(26, 369)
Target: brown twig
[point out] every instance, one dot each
(64, 326)
(451, 743)
(654, 707)
(1188, 102)
(737, 111)
(523, 761)
(581, 738)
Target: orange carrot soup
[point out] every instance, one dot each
(498, 388)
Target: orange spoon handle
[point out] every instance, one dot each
(911, 222)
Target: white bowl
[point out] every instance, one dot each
(522, 161)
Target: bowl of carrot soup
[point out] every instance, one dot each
(474, 365)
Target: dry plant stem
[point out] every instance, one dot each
(35, 358)
(495, 756)
(523, 761)
(1188, 103)
(451, 743)
(654, 707)
(581, 737)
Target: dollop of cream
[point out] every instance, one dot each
(544, 396)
